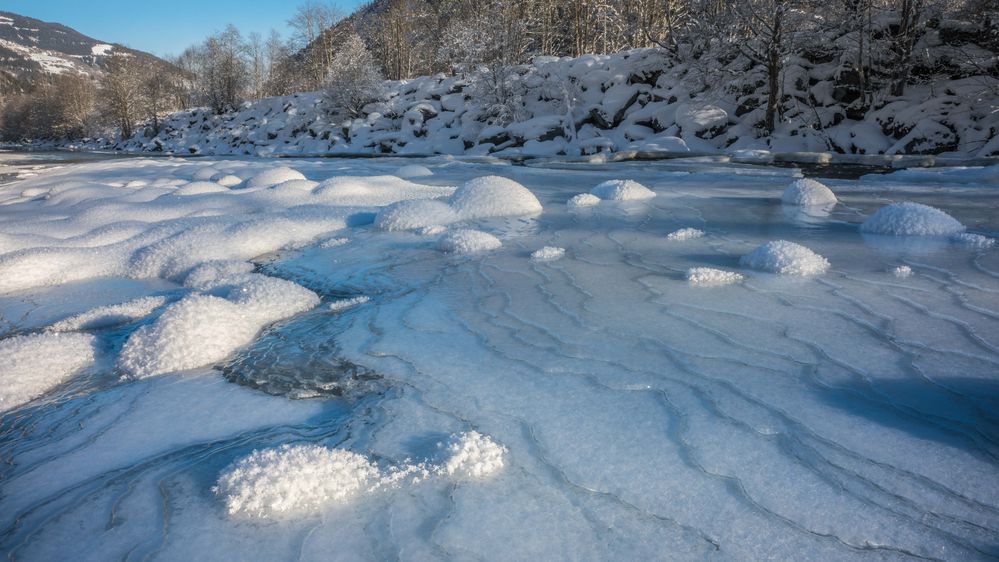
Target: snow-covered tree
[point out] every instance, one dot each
(354, 79)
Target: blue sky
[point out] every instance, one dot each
(161, 27)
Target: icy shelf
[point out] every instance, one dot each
(644, 397)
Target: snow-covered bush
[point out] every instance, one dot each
(354, 79)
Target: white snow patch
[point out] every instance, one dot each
(911, 219)
(622, 190)
(433, 230)
(473, 455)
(205, 174)
(227, 180)
(294, 480)
(582, 200)
(808, 192)
(694, 119)
(548, 253)
(344, 304)
(902, 271)
(414, 213)
(685, 234)
(709, 277)
(493, 196)
(273, 176)
(33, 364)
(101, 50)
(333, 242)
(785, 258)
(974, 240)
(467, 241)
(303, 186)
(111, 315)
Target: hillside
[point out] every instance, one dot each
(31, 49)
(630, 101)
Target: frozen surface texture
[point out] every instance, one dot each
(808, 192)
(684, 234)
(642, 398)
(785, 258)
(911, 219)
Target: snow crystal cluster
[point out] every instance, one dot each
(902, 271)
(807, 192)
(711, 277)
(976, 241)
(34, 364)
(548, 253)
(911, 219)
(684, 234)
(301, 480)
(228, 311)
(622, 190)
(344, 304)
(467, 241)
(785, 258)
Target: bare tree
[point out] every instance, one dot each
(315, 37)
(121, 92)
(225, 72)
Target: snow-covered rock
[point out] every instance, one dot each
(785, 258)
(698, 118)
(807, 192)
(32, 365)
(111, 315)
(911, 219)
(622, 190)
(200, 188)
(493, 196)
(274, 176)
(467, 241)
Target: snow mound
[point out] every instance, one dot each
(902, 271)
(227, 180)
(432, 230)
(467, 241)
(34, 364)
(273, 176)
(202, 329)
(974, 240)
(200, 187)
(785, 258)
(685, 234)
(414, 213)
(374, 190)
(304, 186)
(297, 480)
(911, 219)
(111, 315)
(548, 253)
(334, 242)
(413, 171)
(473, 455)
(344, 304)
(205, 174)
(582, 200)
(213, 273)
(808, 192)
(711, 277)
(493, 196)
(622, 190)
(294, 480)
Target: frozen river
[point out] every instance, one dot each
(593, 404)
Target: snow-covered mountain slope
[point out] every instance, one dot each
(627, 101)
(31, 48)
